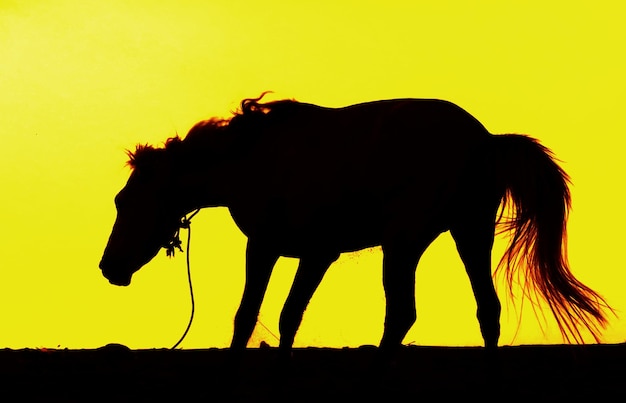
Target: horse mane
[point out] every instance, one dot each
(250, 117)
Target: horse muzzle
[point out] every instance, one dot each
(115, 275)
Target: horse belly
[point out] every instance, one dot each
(302, 228)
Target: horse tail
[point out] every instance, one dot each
(535, 206)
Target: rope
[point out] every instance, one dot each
(186, 223)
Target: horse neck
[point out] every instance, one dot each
(212, 169)
(207, 185)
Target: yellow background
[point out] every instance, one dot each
(80, 82)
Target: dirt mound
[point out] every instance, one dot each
(315, 374)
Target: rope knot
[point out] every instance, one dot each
(175, 242)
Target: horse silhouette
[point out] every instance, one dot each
(312, 182)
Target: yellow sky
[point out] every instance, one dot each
(80, 82)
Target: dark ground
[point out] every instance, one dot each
(114, 373)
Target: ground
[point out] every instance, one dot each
(116, 373)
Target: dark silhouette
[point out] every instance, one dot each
(589, 373)
(310, 182)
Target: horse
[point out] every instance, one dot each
(312, 182)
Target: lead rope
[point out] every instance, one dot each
(186, 224)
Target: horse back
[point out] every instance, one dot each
(352, 147)
(315, 167)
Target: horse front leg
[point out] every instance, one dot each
(311, 270)
(260, 261)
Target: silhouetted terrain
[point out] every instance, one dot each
(526, 373)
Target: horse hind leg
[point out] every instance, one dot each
(400, 258)
(474, 240)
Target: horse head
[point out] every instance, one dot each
(148, 216)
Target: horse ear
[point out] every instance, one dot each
(174, 151)
(173, 142)
(146, 158)
(135, 157)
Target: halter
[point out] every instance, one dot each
(174, 242)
